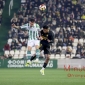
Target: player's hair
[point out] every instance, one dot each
(32, 20)
(45, 27)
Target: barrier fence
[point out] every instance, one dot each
(10, 6)
(72, 63)
(21, 64)
(60, 63)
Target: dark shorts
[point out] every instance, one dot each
(45, 47)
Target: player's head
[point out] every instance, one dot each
(45, 29)
(31, 22)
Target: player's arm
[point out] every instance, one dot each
(14, 26)
(51, 40)
(40, 33)
(23, 26)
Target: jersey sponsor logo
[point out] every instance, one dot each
(45, 37)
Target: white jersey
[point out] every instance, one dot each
(33, 32)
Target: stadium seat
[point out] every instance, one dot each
(12, 52)
(57, 29)
(81, 41)
(21, 56)
(22, 52)
(54, 47)
(78, 55)
(62, 56)
(15, 56)
(33, 49)
(74, 51)
(9, 41)
(69, 28)
(6, 53)
(17, 52)
(25, 52)
(68, 55)
(75, 47)
(57, 56)
(72, 55)
(60, 47)
(52, 56)
(23, 48)
(76, 40)
(32, 52)
(74, 44)
(64, 47)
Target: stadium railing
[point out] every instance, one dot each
(10, 6)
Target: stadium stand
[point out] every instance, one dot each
(65, 17)
(2, 4)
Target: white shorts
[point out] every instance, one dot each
(32, 43)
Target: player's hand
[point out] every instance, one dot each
(41, 38)
(13, 25)
(48, 40)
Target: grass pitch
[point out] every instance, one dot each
(33, 77)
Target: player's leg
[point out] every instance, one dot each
(37, 45)
(30, 44)
(47, 58)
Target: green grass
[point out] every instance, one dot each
(33, 77)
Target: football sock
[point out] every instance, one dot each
(32, 58)
(37, 53)
(29, 54)
(44, 66)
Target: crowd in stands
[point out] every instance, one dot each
(2, 4)
(66, 18)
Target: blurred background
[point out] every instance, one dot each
(66, 18)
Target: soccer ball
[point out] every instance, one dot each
(42, 7)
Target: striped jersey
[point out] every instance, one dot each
(33, 32)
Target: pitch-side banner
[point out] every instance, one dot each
(71, 63)
(21, 64)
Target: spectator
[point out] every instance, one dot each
(65, 42)
(6, 47)
(9, 56)
(2, 4)
(13, 47)
(69, 42)
(58, 51)
(79, 49)
(68, 50)
(71, 38)
(83, 51)
(60, 43)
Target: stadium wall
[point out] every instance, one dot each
(71, 63)
(60, 63)
(5, 63)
